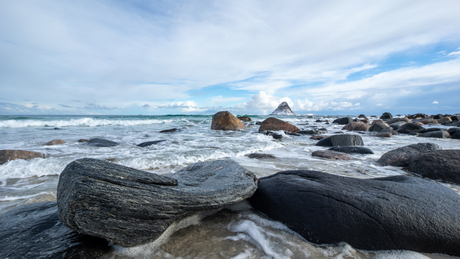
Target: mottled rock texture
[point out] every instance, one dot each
(332, 155)
(244, 118)
(341, 140)
(401, 156)
(277, 124)
(441, 165)
(129, 207)
(100, 142)
(356, 126)
(397, 212)
(378, 125)
(7, 155)
(226, 121)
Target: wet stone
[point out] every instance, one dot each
(99, 142)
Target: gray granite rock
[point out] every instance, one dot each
(401, 156)
(341, 140)
(332, 155)
(149, 143)
(441, 165)
(352, 149)
(129, 207)
(100, 142)
(261, 156)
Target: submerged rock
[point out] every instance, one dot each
(401, 156)
(226, 121)
(34, 231)
(352, 149)
(396, 212)
(277, 124)
(170, 130)
(441, 165)
(100, 142)
(329, 154)
(7, 155)
(149, 143)
(283, 109)
(261, 156)
(129, 207)
(341, 140)
(55, 142)
(272, 134)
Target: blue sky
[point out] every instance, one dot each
(200, 57)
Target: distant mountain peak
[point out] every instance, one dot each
(283, 109)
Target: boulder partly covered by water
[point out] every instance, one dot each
(409, 128)
(396, 212)
(55, 142)
(341, 140)
(441, 165)
(343, 121)
(352, 149)
(401, 156)
(356, 126)
(100, 142)
(129, 207)
(34, 231)
(8, 155)
(274, 124)
(330, 154)
(224, 120)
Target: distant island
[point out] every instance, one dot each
(283, 109)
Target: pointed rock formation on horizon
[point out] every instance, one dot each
(283, 109)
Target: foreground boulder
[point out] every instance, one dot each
(275, 124)
(401, 156)
(34, 231)
(397, 212)
(129, 207)
(441, 165)
(341, 140)
(226, 121)
(100, 142)
(7, 155)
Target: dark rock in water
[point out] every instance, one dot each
(292, 133)
(7, 155)
(273, 134)
(401, 156)
(437, 117)
(99, 142)
(454, 133)
(410, 128)
(440, 133)
(311, 132)
(318, 137)
(362, 116)
(396, 212)
(426, 121)
(417, 116)
(386, 116)
(34, 231)
(398, 124)
(261, 156)
(224, 120)
(356, 126)
(258, 123)
(56, 128)
(129, 207)
(277, 124)
(283, 109)
(454, 118)
(352, 149)
(343, 121)
(379, 126)
(341, 140)
(149, 143)
(169, 130)
(404, 119)
(441, 165)
(55, 142)
(82, 140)
(244, 118)
(329, 154)
(384, 135)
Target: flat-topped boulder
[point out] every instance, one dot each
(352, 149)
(274, 124)
(129, 207)
(34, 231)
(8, 155)
(396, 212)
(100, 142)
(341, 140)
(224, 120)
(441, 165)
(401, 156)
(330, 154)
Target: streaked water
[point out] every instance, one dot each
(237, 232)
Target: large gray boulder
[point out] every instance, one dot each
(401, 156)
(441, 165)
(34, 231)
(341, 140)
(129, 207)
(100, 142)
(397, 212)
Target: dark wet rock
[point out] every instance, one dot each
(318, 137)
(82, 140)
(170, 130)
(311, 132)
(100, 142)
(437, 116)
(404, 119)
(258, 123)
(149, 143)
(275, 124)
(441, 165)
(34, 231)
(356, 126)
(386, 116)
(445, 120)
(261, 156)
(426, 121)
(454, 118)
(384, 135)
(332, 155)
(454, 133)
(55, 142)
(352, 149)
(272, 134)
(362, 116)
(401, 156)
(224, 120)
(435, 133)
(129, 207)
(410, 128)
(292, 134)
(56, 128)
(389, 130)
(341, 140)
(378, 126)
(343, 121)
(398, 124)
(417, 116)
(8, 155)
(390, 213)
(244, 118)
(283, 109)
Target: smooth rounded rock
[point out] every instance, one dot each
(352, 149)
(55, 142)
(379, 126)
(356, 126)
(386, 116)
(410, 128)
(343, 121)
(332, 155)
(274, 124)
(100, 142)
(8, 155)
(441, 165)
(224, 120)
(341, 140)
(401, 156)
(149, 143)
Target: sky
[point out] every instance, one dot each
(200, 57)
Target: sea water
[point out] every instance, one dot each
(235, 232)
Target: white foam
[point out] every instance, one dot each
(399, 255)
(81, 122)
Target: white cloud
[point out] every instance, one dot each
(263, 103)
(435, 102)
(187, 106)
(219, 100)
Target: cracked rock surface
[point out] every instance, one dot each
(396, 212)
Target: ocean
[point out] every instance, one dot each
(236, 232)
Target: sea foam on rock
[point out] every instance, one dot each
(396, 212)
(129, 207)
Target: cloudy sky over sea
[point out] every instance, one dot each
(199, 57)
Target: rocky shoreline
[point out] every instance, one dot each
(129, 207)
